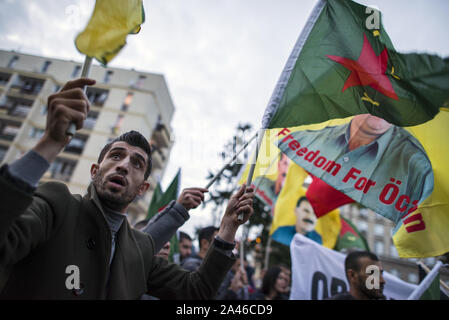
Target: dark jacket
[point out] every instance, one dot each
(42, 234)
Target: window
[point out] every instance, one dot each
(77, 144)
(127, 102)
(363, 212)
(395, 272)
(430, 261)
(62, 169)
(107, 76)
(18, 107)
(36, 133)
(13, 61)
(4, 78)
(118, 124)
(45, 66)
(3, 150)
(412, 277)
(140, 81)
(362, 226)
(393, 251)
(76, 71)
(379, 230)
(28, 85)
(44, 110)
(90, 121)
(379, 247)
(96, 96)
(9, 129)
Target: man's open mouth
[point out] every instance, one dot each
(307, 221)
(118, 180)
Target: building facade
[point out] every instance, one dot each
(377, 230)
(121, 100)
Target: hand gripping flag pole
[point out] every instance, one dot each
(84, 74)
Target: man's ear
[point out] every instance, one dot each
(351, 274)
(143, 188)
(94, 170)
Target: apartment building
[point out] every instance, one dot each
(121, 100)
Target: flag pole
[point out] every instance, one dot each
(229, 163)
(84, 74)
(253, 164)
(425, 283)
(427, 270)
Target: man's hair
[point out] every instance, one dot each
(352, 260)
(269, 279)
(183, 235)
(303, 198)
(132, 138)
(206, 233)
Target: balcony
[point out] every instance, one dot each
(62, 169)
(27, 86)
(97, 96)
(161, 136)
(9, 129)
(4, 78)
(77, 144)
(157, 159)
(90, 121)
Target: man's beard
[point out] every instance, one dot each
(116, 201)
(372, 294)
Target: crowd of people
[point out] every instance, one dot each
(240, 281)
(58, 245)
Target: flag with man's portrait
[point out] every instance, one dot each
(369, 122)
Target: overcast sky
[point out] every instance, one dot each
(220, 58)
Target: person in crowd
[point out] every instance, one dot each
(359, 265)
(235, 285)
(205, 238)
(275, 285)
(57, 245)
(184, 248)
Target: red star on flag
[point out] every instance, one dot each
(368, 70)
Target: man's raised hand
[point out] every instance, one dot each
(68, 105)
(191, 198)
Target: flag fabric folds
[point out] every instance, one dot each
(106, 32)
(369, 122)
(342, 66)
(161, 199)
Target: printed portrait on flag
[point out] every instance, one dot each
(380, 165)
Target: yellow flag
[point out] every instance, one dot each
(327, 227)
(424, 231)
(110, 23)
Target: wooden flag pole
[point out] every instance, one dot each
(84, 74)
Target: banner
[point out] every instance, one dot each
(318, 273)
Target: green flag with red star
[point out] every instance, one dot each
(344, 64)
(369, 121)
